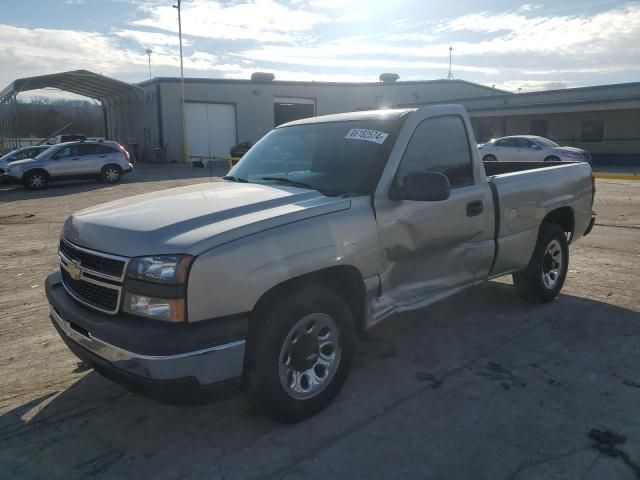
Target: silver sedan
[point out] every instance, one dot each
(529, 148)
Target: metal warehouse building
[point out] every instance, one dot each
(222, 112)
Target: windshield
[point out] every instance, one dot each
(8, 155)
(333, 157)
(546, 142)
(44, 150)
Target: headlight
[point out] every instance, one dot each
(166, 269)
(167, 309)
(573, 155)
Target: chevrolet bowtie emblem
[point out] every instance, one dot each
(73, 267)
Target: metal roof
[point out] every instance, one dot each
(157, 80)
(81, 82)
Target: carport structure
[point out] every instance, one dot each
(119, 100)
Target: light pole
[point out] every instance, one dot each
(184, 127)
(148, 51)
(450, 76)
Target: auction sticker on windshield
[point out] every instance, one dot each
(366, 135)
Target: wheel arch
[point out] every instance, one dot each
(345, 280)
(564, 217)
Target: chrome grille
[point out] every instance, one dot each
(99, 263)
(97, 296)
(92, 278)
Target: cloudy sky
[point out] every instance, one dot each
(533, 46)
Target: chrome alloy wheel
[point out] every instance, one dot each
(111, 174)
(310, 356)
(36, 181)
(552, 264)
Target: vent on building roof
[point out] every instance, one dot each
(389, 77)
(262, 77)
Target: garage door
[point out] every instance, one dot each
(211, 130)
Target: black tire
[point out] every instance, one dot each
(490, 158)
(266, 348)
(111, 174)
(531, 283)
(552, 158)
(36, 180)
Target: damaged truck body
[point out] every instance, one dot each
(326, 226)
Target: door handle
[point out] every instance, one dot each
(475, 208)
(74, 159)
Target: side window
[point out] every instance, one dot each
(70, 151)
(63, 152)
(21, 155)
(439, 144)
(102, 149)
(87, 149)
(505, 142)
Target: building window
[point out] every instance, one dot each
(592, 131)
(288, 109)
(539, 127)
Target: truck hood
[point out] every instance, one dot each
(193, 219)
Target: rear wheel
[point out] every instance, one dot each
(490, 158)
(111, 174)
(552, 158)
(544, 277)
(36, 180)
(300, 354)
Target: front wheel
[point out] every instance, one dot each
(36, 180)
(552, 158)
(490, 158)
(300, 354)
(544, 277)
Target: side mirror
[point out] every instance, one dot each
(422, 187)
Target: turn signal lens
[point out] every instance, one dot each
(165, 309)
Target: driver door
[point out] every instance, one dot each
(429, 249)
(65, 162)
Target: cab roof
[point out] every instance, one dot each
(390, 114)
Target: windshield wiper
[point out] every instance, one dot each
(293, 183)
(235, 179)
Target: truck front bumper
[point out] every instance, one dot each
(175, 376)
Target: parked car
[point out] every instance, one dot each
(107, 161)
(20, 154)
(327, 226)
(238, 151)
(529, 148)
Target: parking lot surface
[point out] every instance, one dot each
(482, 386)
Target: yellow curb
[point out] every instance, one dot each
(617, 176)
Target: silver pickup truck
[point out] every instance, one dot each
(325, 227)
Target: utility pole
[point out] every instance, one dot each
(148, 51)
(450, 76)
(185, 152)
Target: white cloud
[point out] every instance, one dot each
(150, 39)
(263, 20)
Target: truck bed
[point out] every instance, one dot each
(524, 193)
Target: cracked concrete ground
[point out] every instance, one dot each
(481, 386)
